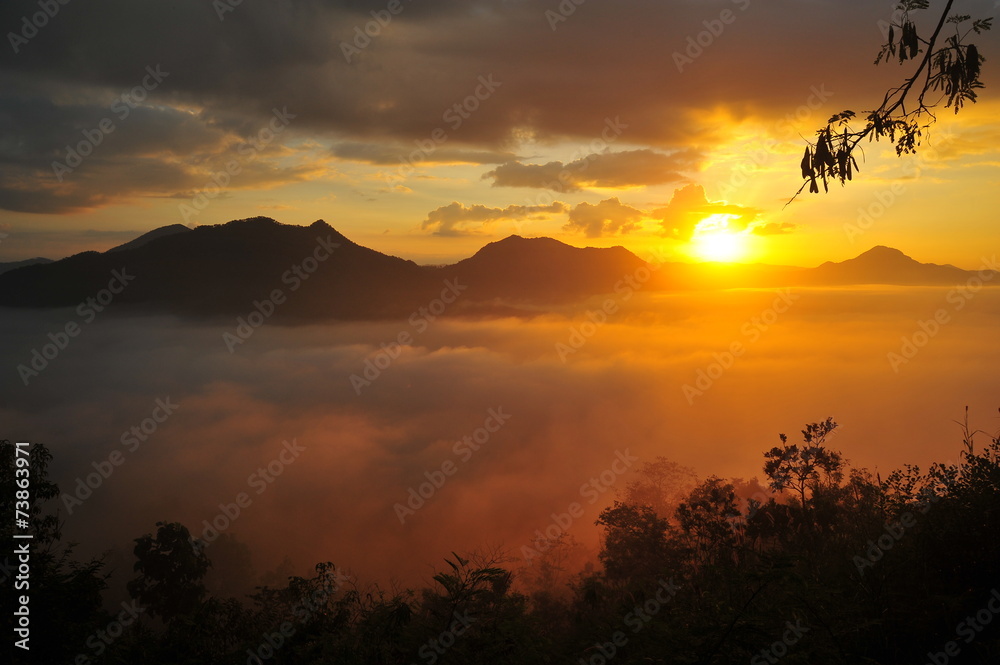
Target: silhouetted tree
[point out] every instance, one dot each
(636, 547)
(707, 517)
(171, 567)
(807, 467)
(65, 594)
(948, 74)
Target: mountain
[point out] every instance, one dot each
(543, 270)
(161, 232)
(879, 265)
(314, 272)
(14, 265)
(222, 270)
(885, 265)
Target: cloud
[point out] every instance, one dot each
(630, 168)
(689, 206)
(621, 390)
(456, 219)
(84, 155)
(608, 217)
(226, 77)
(393, 155)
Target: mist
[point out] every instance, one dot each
(495, 424)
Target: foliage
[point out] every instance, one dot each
(171, 567)
(867, 571)
(806, 467)
(947, 73)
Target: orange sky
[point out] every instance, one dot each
(459, 123)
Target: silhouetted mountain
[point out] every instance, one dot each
(543, 270)
(161, 232)
(14, 265)
(224, 270)
(879, 265)
(885, 265)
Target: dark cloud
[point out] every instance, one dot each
(456, 219)
(628, 168)
(67, 158)
(392, 155)
(605, 61)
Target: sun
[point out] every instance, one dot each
(713, 240)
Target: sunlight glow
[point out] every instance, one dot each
(714, 241)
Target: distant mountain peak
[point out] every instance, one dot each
(145, 238)
(887, 265)
(881, 252)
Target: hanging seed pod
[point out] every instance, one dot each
(830, 160)
(971, 63)
(806, 164)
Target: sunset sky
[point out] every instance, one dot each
(450, 127)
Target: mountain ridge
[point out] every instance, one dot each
(223, 269)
